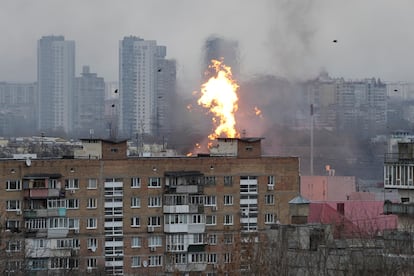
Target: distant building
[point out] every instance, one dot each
(55, 76)
(146, 81)
(89, 105)
(18, 108)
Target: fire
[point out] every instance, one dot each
(258, 112)
(219, 95)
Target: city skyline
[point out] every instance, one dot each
(289, 39)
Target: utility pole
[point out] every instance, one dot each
(311, 139)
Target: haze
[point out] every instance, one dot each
(292, 39)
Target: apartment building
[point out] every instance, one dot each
(106, 213)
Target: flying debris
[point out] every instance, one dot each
(335, 41)
(159, 70)
(113, 105)
(395, 90)
(116, 91)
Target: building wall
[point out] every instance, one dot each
(286, 186)
(325, 188)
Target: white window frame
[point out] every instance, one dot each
(155, 241)
(154, 221)
(270, 218)
(135, 202)
(16, 183)
(212, 239)
(135, 222)
(269, 199)
(135, 182)
(210, 200)
(75, 203)
(213, 220)
(92, 203)
(72, 184)
(136, 261)
(271, 180)
(13, 246)
(91, 223)
(136, 242)
(154, 260)
(154, 182)
(13, 205)
(228, 219)
(228, 200)
(91, 263)
(154, 201)
(92, 184)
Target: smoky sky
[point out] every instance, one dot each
(287, 38)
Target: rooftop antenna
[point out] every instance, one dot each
(311, 139)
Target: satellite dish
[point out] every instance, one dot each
(28, 162)
(144, 263)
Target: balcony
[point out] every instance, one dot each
(186, 267)
(44, 213)
(398, 209)
(37, 193)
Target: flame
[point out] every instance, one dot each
(189, 154)
(258, 112)
(219, 95)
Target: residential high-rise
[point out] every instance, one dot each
(143, 93)
(89, 105)
(102, 211)
(55, 76)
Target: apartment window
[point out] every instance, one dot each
(210, 180)
(212, 239)
(228, 180)
(135, 261)
(91, 203)
(91, 263)
(39, 243)
(228, 200)
(13, 266)
(210, 201)
(154, 201)
(71, 184)
(227, 258)
(13, 205)
(13, 246)
(269, 199)
(92, 243)
(155, 241)
(13, 185)
(198, 257)
(135, 182)
(39, 264)
(66, 263)
(212, 258)
(13, 225)
(228, 219)
(228, 238)
(135, 202)
(136, 242)
(154, 221)
(269, 218)
(72, 203)
(135, 222)
(198, 238)
(92, 183)
(91, 223)
(73, 223)
(154, 182)
(154, 261)
(271, 180)
(197, 219)
(211, 220)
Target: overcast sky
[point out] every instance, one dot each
(290, 38)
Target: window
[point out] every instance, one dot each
(228, 238)
(271, 180)
(13, 185)
(136, 242)
(135, 202)
(39, 243)
(211, 220)
(154, 201)
(73, 223)
(91, 203)
(13, 225)
(135, 261)
(155, 241)
(210, 201)
(13, 205)
(64, 262)
(228, 200)
(92, 243)
(154, 261)
(197, 218)
(212, 239)
(91, 223)
(227, 258)
(210, 180)
(72, 203)
(91, 263)
(135, 222)
(39, 264)
(228, 219)
(198, 238)
(154, 182)
(212, 258)
(269, 199)
(71, 184)
(269, 218)
(13, 266)
(92, 184)
(13, 246)
(198, 257)
(135, 182)
(154, 221)
(228, 180)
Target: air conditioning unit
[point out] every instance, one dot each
(214, 208)
(150, 229)
(72, 191)
(18, 212)
(153, 248)
(270, 187)
(89, 269)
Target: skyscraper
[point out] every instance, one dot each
(89, 104)
(142, 71)
(55, 76)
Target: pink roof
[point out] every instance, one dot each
(359, 218)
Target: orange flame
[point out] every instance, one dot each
(219, 95)
(258, 112)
